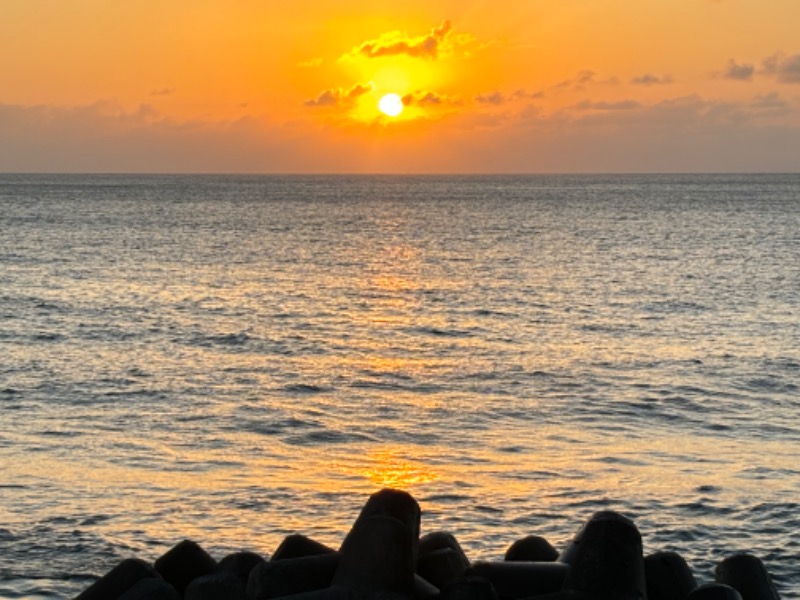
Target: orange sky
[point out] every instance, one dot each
(502, 86)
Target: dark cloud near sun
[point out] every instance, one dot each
(397, 43)
(339, 96)
(425, 98)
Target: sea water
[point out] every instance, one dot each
(235, 358)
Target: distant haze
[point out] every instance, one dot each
(514, 86)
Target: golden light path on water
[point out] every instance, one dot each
(519, 492)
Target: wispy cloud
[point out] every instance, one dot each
(427, 98)
(738, 72)
(693, 134)
(607, 106)
(583, 79)
(495, 98)
(498, 98)
(339, 96)
(785, 68)
(648, 79)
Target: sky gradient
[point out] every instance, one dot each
(503, 86)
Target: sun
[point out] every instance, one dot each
(391, 105)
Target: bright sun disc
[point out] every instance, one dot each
(391, 105)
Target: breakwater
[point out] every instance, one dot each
(386, 556)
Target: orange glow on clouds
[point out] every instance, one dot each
(519, 86)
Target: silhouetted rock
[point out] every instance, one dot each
(469, 588)
(532, 548)
(667, 576)
(436, 540)
(441, 558)
(441, 566)
(119, 580)
(424, 589)
(183, 563)
(151, 589)
(747, 575)
(329, 593)
(297, 545)
(382, 557)
(217, 586)
(606, 559)
(292, 576)
(714, 591)
(378, 556)
(515, 579)
(394, 503)
(240, 564)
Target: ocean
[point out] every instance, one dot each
(232, 359)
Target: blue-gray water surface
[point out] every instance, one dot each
(235, 358)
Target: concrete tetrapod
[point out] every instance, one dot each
(183, 563)
(217, 586)
(469, 588)
(441, 566)
(532, 548)
(297, 545)
(714, 591)
(383, 558)
(151, 589)
(119, 580)
(516, 579)
(667, 576)
(441, 558)
(606, 560)
(747, 574)
(276, 578)
(240, 564)
(379, 554)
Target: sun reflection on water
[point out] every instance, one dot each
(391, 467)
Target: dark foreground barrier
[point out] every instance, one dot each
(383, 557)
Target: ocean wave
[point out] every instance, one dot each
(326, 436)
(303, 389)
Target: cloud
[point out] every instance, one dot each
(689, 133)
(339, 97)
(606, 106)
(582, 79)
(496, 98)
(738, 72)
(648, 79)
(104, 137)
(785, 68)
(163, 92)
(769, 101)
(396, 42)
(526, 95)
(426, 98)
